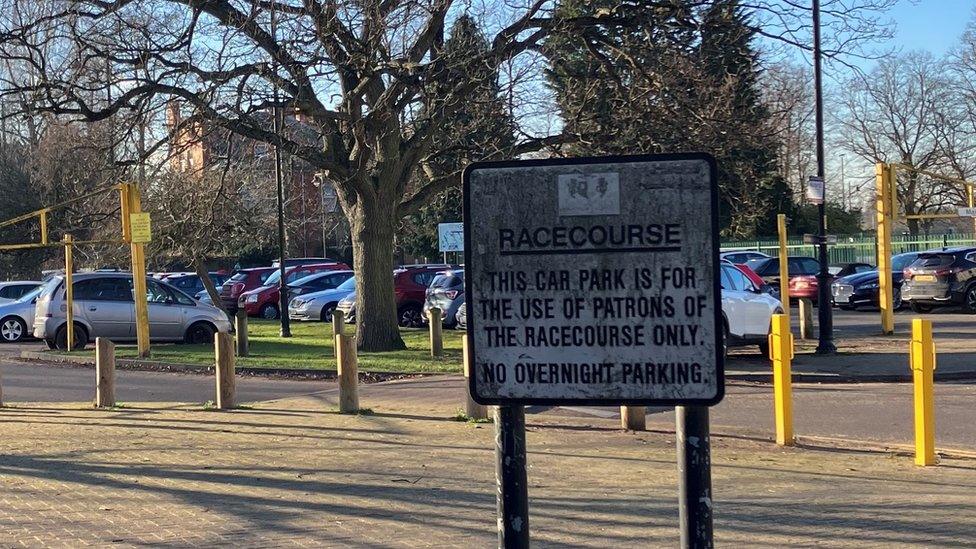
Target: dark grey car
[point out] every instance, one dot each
(446, 291)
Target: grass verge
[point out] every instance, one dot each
(311, 347)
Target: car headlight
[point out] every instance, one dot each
(252, 298)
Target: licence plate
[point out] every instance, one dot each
(925, 278)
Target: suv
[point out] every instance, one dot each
(446, 291)
(410, 291)
(263, 300)
(241, 281)
(946, 277)
(746, 311)
(103, 307)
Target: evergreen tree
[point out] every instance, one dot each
(481, 127)
(673, 78)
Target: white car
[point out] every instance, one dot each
(15, 289)
(17, 317)
(740, 257)
(747, 310)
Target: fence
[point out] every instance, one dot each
(858, 248)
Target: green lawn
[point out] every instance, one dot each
(311, 347)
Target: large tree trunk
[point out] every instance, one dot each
(372, 224)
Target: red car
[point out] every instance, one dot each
(241, 281)
(263, 301)
(410, 289)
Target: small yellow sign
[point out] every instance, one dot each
(141, 228)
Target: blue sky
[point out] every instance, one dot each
(933, 25)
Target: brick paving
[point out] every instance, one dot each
(291, 473)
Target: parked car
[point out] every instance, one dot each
(318, 306)
(242, 281)
(741, 257)
(802, 271)
(103, 307)
(17, 317)
(410, 289)
(263, 301)
(192, 283)
(15, 289)
(838, 270)
(746, 311)
(328, 280)
(755, 279)
(946, 277)
(861, 289)
(446, 292)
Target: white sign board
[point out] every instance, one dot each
(594, 281)
(815, 190)
(966, 212)
(450, 237)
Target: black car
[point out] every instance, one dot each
(946, 277)
(861, 289)
(192, 284)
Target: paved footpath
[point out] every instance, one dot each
(293, 473)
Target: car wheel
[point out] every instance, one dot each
(971, 299)
(327, 312)
(411, 317)
(919, 308)
(200, 333)
(12, 329)
(896, 302)
(61, 338)
(269, 311)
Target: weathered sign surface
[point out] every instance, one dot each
(594, 281)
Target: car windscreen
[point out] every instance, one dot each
(899, 262)
(763, 265)
(925, 261)
(308, 279)
(347, 285)
(32, 294)
(447, 281)
(272, 279)
(239, 276)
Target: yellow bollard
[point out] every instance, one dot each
(784, 267)
(923, 374)
(781, 354)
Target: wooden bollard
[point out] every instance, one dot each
(471, 408)
(436, 331)
(348, 374)
(806, 318)
(226, 386)
(633, 418)
(104, 373)
(240, 327)
(338, 322)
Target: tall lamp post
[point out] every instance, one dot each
(279, 180)
(825, 343)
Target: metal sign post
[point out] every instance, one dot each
(599, 286)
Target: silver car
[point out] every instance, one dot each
(103, 307)
(17, 317)
(318, 306)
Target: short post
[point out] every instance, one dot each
(104, 373)
(436, 327)
(240, 329)
(224, 353)
(781, 353)
(633, 418)
(806, 318)
(923, 373)
(338, 322)
(471, 408)
(348, 374)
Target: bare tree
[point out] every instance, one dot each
(896, 114)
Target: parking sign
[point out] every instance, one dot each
(594, 281)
